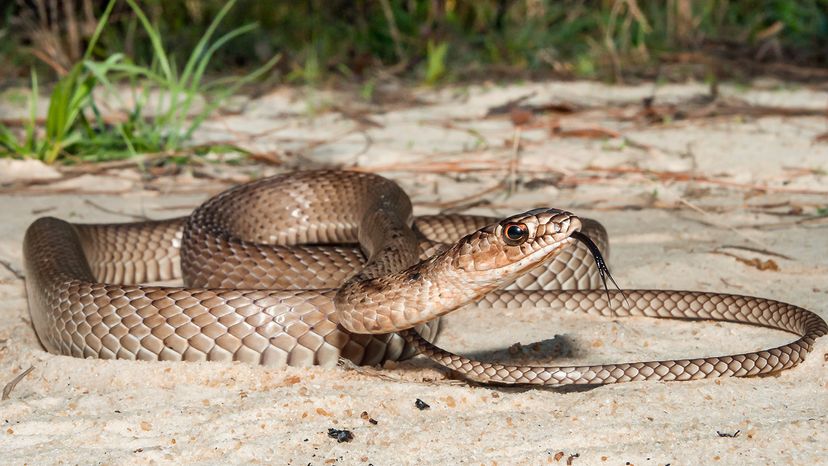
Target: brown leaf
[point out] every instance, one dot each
(520, 116)
(759, 264)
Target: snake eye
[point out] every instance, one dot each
(515, 233)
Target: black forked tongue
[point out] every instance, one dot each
(603, 270)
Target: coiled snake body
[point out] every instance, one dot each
(272, 276)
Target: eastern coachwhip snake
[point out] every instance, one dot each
(272, 276)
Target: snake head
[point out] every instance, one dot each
(496, 255)
(489, 258)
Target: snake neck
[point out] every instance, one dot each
(404, 299)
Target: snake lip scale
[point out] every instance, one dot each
(309, 267)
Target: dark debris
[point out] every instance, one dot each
(341, 435)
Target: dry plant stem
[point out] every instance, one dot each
(12, 269)
(7, 389)
(721, 225)
(138, 217)
(514, 162)
(392, 28)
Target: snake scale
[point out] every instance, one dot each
(309, 267)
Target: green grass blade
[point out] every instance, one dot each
(155, 40)
(202, 65)
(255, 74)
(59, 105)
(183, 110)
(127, 140)
(31, 125)
(134, 70)
(195, 56)
(10, 142)
(98, 29)
(102, 70)
(80, 94)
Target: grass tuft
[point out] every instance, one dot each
(75, 128)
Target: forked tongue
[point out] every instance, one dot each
(603, 270)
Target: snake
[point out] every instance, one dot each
(315, 267)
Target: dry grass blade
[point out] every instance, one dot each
(687, 176)
(757, 250)
(514, 162)
(439, 167)
(8, 266)
(466, 202)
(712, 221)
(506, 108)
(7, 389)
(391, 377)
(137, 217)
(367, 370)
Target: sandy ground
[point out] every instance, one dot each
(701, 204)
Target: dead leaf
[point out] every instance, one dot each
(520, 117)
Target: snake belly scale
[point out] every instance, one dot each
(309, 267)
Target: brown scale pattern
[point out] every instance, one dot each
(255, 293)
(133, 252)
(92, 319)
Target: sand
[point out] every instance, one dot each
(757, 183)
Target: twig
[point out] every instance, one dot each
(731, 285)
(14, 271)
(367, 370)
(360, 118)
(483, 144)
(760, 251)
(369, 142)
(666, 176)
(509, 105)
(7, 389)
(438, 167)
(392, 28)
(110, 211)
(720, 225)
(43, 210)
(817, 220)
(464, 203)
(514, 162)
(598, 174)
(798, 72)
(177, 207)
(391, 377)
